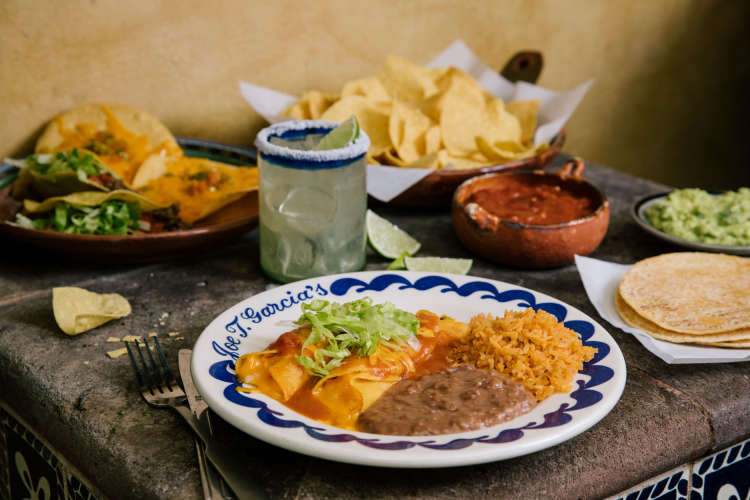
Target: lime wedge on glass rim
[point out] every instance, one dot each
(388, 240)
(438, 264)
(343, 135)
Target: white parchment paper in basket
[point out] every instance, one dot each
(385, 183)
(601, 279)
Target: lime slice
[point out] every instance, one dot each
(341, 136)
(438, 264)
(387, 239)
(399, 263)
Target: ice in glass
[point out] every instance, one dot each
(312, 203)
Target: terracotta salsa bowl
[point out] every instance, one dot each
(510, 239)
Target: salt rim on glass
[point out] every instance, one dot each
(262, 141)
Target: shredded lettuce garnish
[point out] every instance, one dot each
(113, 217)
(356, 327)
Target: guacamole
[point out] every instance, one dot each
(695, 215)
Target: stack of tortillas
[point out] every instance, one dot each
(689, 297)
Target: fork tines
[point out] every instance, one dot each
(152, 376)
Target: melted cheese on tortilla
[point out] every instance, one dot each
(187, 182)
(340, 397)
(125, 163)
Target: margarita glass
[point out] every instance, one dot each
(312, 203)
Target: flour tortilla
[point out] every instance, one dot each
(733, 338)
(690, 292)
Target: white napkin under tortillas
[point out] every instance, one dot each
(601, 279)
(385, 183)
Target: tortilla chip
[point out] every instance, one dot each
(526, 112)
(122, 136)
(501, 152)
(372, 118)
(410, 112)
(390, 157)
(371, 88)
(450, 162)
(90, 199)
(407, 127)
(311, 105)
(199, 186)
(430, 161)
(77, 310)
(405, 81)
(690, 292)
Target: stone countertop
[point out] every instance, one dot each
(87, 407)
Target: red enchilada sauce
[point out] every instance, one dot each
(536, 203)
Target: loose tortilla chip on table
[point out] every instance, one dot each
(78, 310)
(122, 136)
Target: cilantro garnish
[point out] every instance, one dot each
(357, 327)
(84, 165)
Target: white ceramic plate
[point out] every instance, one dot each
(257, 321)
(638, 213)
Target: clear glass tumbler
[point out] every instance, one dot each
(312, 203)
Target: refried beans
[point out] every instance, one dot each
(458, 399)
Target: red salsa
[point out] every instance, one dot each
(533, 203)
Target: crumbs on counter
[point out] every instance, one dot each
(164, 315)
(173, 334)
(132, 338)
(117, 353)
(113, 339)
(86, 363)
(179, 338)
(152, 334)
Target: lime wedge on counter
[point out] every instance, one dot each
(341, 136)
(388, 240)
(438, 264)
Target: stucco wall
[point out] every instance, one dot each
(666, 104)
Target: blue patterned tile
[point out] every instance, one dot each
(29, 468)
(672, 485)
(724, 475)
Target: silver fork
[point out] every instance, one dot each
(160, 389)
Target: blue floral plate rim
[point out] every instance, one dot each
(256, 321)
